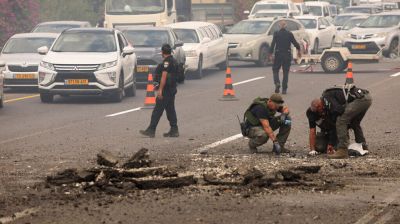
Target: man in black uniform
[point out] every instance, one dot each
(261, 123)
(326, 140)
(166, 92)
(281, 44)
(348, 107)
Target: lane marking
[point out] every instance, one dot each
(249, 80)
(18, 215)
(395, 75)
(223, 141)
(21, 98)
(124, 112)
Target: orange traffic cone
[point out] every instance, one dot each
(150, 100)
(229, 93)
(349, 74)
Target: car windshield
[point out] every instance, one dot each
(270, 14)
(352, 23)
(26, 45)
(85, 42)
(54, 28)
(380, 21)
(357, 10)
(309, 23)
(259, 7)
(250, 27)
(134, 6)
(187, 35)
(147, 38)
(315, 10)
(340, 20)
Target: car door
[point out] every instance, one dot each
(220, 45)
(322, 33)
(204, 45)
(212, 45)
(127, 61)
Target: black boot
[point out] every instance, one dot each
(284, 91)
(173, 133)
(277, 88)
(148, 132)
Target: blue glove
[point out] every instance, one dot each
(287, 122)
(276, 148)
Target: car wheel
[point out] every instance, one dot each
(263, 57)
(223, 65)
(119, 95)
(131, 91)
(199, 73)
(333, 63)
(316, 47)
(46, 98)
(394, 49)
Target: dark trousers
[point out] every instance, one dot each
(351, 118)
(282, 60)
(167, 104)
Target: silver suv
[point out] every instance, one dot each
(378, 32)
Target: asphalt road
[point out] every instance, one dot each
(38, 139)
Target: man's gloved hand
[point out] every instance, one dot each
(313, 153)
(276, 148)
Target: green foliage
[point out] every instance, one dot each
(80, 10)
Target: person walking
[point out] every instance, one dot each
(281, 45)
(166, 91)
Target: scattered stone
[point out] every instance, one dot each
(287, 175)
(106, 158)
(169, 182)
(139, 159)
(252, 175)
(309, 169)
(338, 165)
(212, 180)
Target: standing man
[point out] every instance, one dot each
(166, 92)
(262, 122)
(281, 44)
(348, 107)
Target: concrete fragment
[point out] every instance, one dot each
(169, 182)
(251, 175)
(212, 180)
(309, 169)
(106, 158)
(138, 160)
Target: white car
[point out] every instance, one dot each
(321, 32)
(272, 13)
(319, 9)
(347, 28)
(88, 61)
(59, 26)
(204, 45)
(344, 17)
(265, 5)
(250, 40)
(2, 65)
(302, 8)
(22, 59)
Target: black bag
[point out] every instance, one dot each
(243, 127)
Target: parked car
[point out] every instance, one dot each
(302, 8)
(22, 59)
(272, 13)
(88, 61)
(148, 41)
(319, 8)
(321, 32)
(59, 26)
(347, 27)
(204, 46)
(266, 5)
(2, 67)
(249, 40)
(368, 9)
(344, 17)
(380, 31)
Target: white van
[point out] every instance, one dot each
(204, 45)
(319, 9)
(267, 5)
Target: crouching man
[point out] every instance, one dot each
(261, 123)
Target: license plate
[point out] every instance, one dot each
(142, 69)
(76, 82)
(25, 76)
(359, 46)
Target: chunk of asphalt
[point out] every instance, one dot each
(106, 158)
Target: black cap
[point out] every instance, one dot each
(166, 49)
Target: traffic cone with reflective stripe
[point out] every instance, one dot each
(229, 93)
(349, 74)
(150, 100)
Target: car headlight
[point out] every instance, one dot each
(348, 35)
(107, 65)
(380, 35)
(191, 53)
(47, 65)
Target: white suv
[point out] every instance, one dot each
(88, 61)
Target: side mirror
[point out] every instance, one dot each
(43, 50)
(178, 44)
(206, 40)
(321, 27)
(246, 12)
(128, 50)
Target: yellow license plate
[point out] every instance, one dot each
(142, 69)
(359, 47)
(25, 76)
(77, 82)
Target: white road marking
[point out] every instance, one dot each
(223, 141)
(124, 112)
(18, 215)
(395, 75)
(250, 80)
